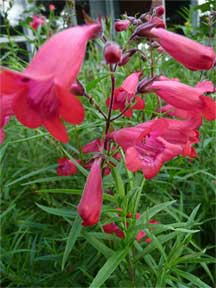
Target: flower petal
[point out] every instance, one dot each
(71, 108)
(209, 110)
(140, 104)
(10, 81)
(57, 129)
(71, 44)
(24, 112)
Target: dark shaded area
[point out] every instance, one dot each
(131, 7)
(172, 8)
(134, 7)
(59, 4)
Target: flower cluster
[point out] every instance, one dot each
(45, 93)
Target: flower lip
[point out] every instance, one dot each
(41, 97)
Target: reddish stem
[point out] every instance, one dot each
(112, 70)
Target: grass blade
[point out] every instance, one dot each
(72, 237)
(108, 268)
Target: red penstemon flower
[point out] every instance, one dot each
(125, 94)
(149, 145)
(40, 93)
(37, 20)
(190, 53)
(185, 97)
(66, 167)
(90, 204)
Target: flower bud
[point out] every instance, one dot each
(158, 11)
(52, 7)
(141, 88)
(142, 31)
(126, 56)
(77, 89)
(112, 53)
(90, 204)
(154, 44)
(134, 21)
(121, 25)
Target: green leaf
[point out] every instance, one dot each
(118, 183)
(72, 192)
(63, 212)
(148, 214)
(32, 174)
(108, 268)
(193, 279)
(97, 244)
(92, 84)
(72, 237)
(3, 151)
(61, 190)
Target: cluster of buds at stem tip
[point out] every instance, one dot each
(112, 53)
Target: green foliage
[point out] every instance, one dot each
(43, 242)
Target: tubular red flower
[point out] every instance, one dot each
(90, 204)
(37, 20)
(121, 25)
(125, 94)
(149, 145)
(66, 167)
(190, 53)
(41, 91)
(186, 97)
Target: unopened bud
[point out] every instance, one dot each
(52, 7)
(121, 25)
(157, 21)
(144, 83)
(142, 31)
(154, 44)
(126, 56)
(143, 16)
(134, 21)
(158, 11)
(77, 89)
(112, 53)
